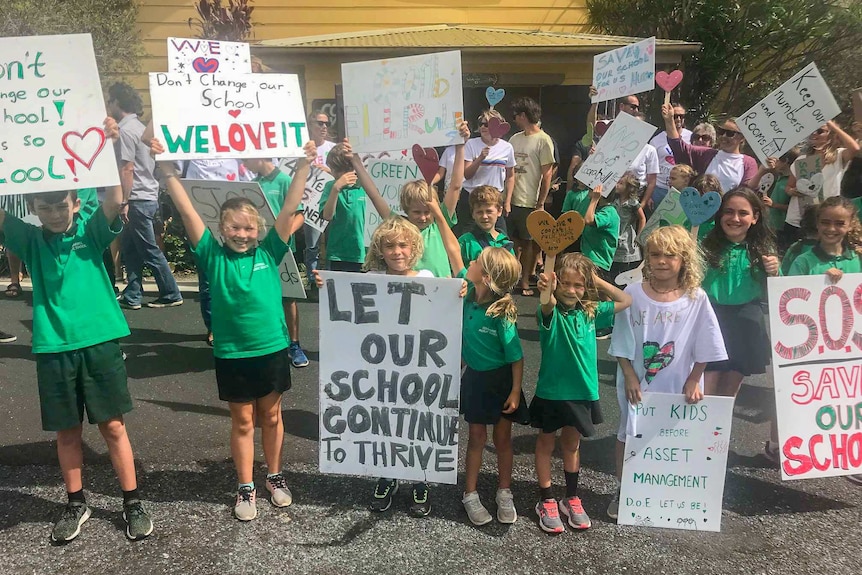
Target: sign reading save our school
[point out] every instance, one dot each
(200, 116)
(617, 149)
(789, 114)
(390, 363)
(624, 71)
(675, 462)
(51, 116)
(817, 368)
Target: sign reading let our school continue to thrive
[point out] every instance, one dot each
(817, 368)
(51, 114)
(201, 116)
(390, 363)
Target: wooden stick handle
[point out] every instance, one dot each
(667, 97)
(694, 231)
(550, 261)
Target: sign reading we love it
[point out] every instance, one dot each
(51, 115)
(208, 56)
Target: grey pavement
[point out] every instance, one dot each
(180, 431)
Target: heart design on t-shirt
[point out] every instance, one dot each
(699, 209)
(670, 160)
(656, 358)
(427, 160)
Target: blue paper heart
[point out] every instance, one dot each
(493, 96)
(699, 209)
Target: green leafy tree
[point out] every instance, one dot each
(231, 22)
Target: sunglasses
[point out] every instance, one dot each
(706, 137)
(323, 124)
(483, 124)
(679, 116)
(725, 132)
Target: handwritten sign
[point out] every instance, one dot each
(616, 151)
(394, 103)
(51, 115)
(624, 71)
(553, 236)
(201, 116)
(208, 56)
(817, 366)
(390, 363)
(789, 114)
(207, 196)
(317, 180)
(675, 462)
(389, 177)
(668, 212)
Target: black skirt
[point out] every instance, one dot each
(743, 329)
(246, 379)
(484, 393)
(549, 415)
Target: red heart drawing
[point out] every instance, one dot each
(86, 142)
(205, 65)
(427, 160)
(670, 160)
(497, 127)
(231, 177)
(668, 82)
(601, 128)
(234, 113)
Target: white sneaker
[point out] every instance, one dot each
(475, 510)
(506, 506)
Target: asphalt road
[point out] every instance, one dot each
(180, 432)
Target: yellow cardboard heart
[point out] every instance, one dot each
(553, 236)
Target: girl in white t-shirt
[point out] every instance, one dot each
(668, 335)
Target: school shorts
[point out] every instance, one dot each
(516, 223)
(337, 266)
(245, 379)
(92, 378)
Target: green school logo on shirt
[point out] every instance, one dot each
(656, 358)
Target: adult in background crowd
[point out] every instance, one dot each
(318, 130)
(666, 161)
(645, 169)
(703, 135)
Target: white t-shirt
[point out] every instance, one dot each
(663, 341)
(447, 161)
(492, 172)
(666, 160)
(223, 170)
(646, 163)
(830, 183)
(322, 152)
(728, 168)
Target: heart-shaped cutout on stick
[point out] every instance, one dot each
(493, 96)
(498, 128)
(205, 65)
(668, 82)
(601, 128)
(553, 236)
(427, 160)
(699, 209)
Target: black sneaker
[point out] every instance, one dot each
(126, 304)
(68, 526)
(7, 337)
(162, 302)
(384, 491)
(138, 522)
(421, 500)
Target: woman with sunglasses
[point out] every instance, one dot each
(727, 162)
(665, 155)
(703, 135)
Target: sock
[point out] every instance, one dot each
(76, 497)
(571, 483)
(545, 493)
(241, 485)
(129, 495)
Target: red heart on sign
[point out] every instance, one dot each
(497, 127)
(234, 113)
(93, 144)
(668, 82)
(205, 65)
(601, 128)
(427, 160)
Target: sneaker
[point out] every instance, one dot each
(280, 494)
(506, 506)
(162, 302)
(549, 516)
(68, 526)
(857, 479)
(138, 522)
(770, 451)
(421, 501)
(124, 303)
(7, 337)
(384, 491)
(604, 333)
(297, 356)
(475, 510)
(245, 508)
(573, 510)
(614, 506)
(124, 355)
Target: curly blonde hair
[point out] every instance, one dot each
(503, 271)
(393, 229)
(415, 191)
(582, 265)
(676, 240)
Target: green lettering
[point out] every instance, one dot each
(202, 144)
(297, 130)
(178, 143)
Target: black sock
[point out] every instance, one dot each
(571, 483)
(129, 495)
(545, 493)
(76, 497)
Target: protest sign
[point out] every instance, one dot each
(200, 116)
(624, 71)
(817, 370)
(389, 176)
(208, 56)
(52, 111)
(789, 114)
(207, 196)
(675, 462)
(616, 151)
(317, 180)
(390, 364)
(394, 103)
(669, 211)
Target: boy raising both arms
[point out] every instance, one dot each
(76, 327)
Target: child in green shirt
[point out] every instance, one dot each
(486, 207)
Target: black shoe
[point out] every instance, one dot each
(7, 337)
(162, 302)
(384, 491)
(421, 500)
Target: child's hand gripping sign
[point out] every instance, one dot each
(553, 236)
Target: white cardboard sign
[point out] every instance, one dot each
(615, 152)
(390, 368)
(817, 370)
(198, 116)
(389, 176)
(207, 196)
(51, 116)
(674, 465)
(208, 56)
(624, 71)
(317, 180)
(789, 114)
(394, 103)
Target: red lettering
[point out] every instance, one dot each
(812, 442)
(219, 147)
(839, 452)
(846, 317)
(237, 137)
(269, 134)
(802, 379)
(253, 136)
(215, 47)
(787, 318)
(804, 462)
(857, 303)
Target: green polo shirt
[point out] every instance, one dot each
(576, 200)
(89, 202)
(796, 249)
(247, 317)
(488, 342)
(345, 234)
(434, 257)
(599, 241)
(735, 282)
(73, 300)
(472, 247)
(778, 196)
(816, 262)
(275, 187)
(569, 369)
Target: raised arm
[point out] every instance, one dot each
(192, 221)
(369, 186)
(113, 201)
(590, 215)
(845, 141)
(453, 192)
(284, 223)
(621, 299)
(450, 242)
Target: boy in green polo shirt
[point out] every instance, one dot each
(486, 206)
(76, 327)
